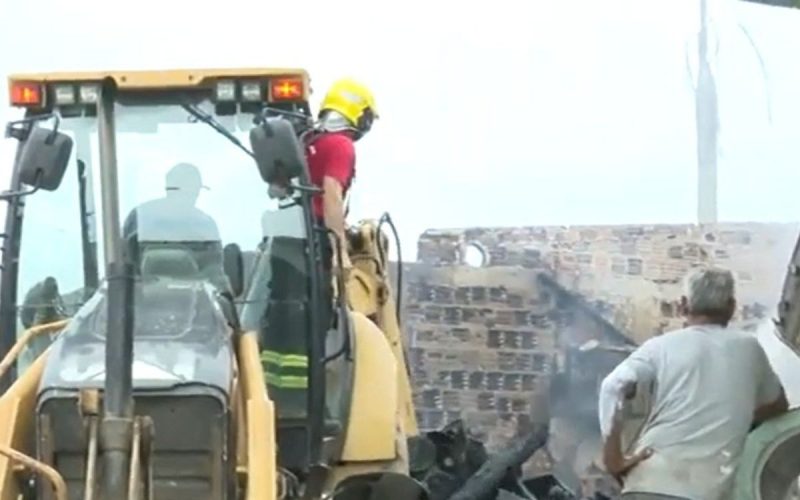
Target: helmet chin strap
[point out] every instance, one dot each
(333, 121)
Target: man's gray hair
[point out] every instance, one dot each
(709, 291)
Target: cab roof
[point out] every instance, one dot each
(161, 79)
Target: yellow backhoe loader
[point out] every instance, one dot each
(163, 363)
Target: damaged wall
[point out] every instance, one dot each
(633, 273)
(484, 341)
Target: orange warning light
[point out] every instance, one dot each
(286, 89)
(26, 94)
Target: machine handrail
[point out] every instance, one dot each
(13, 353)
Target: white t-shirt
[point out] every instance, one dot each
(708, 382)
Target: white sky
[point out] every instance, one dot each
(500, 113)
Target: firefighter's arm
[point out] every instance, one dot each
(339, 166)
(333, 203)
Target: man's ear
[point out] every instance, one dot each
(683, 306)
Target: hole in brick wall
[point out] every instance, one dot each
(529, 340)
(431, 398)
(474, 255)
(486, 401)
(539, 362)
(468, 314)
(511, 382)
(635, 266)
(461, 334)
(494, 380)
(503, 405)
(494, 339)
(442, 295)
(519, 405)
(498, 255)
(452, 315)
(462, 295)
(528, 382)
(458, 380)
(498, 294)
(512, 340)
(675, 252)
(478, 294)
(476, 380)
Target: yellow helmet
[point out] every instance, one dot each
(354, 102)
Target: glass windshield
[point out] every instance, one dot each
(185, 192)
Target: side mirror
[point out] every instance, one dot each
(44, 158)
(277, 151)
(233, 264)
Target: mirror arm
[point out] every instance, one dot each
(10, 195)
(20, 129)
(304, 191)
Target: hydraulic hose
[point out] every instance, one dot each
(387, 219)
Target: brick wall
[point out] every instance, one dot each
(633, 274)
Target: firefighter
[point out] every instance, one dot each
(346, 115)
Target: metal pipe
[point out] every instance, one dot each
(134, 477)
(91, 461)
(116, 426)
(108, 175)
(52, 475)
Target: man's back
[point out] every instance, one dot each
(709, 381)
(165, 219)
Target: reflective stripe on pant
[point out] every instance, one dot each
(285, 371)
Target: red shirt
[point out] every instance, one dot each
(331, 155)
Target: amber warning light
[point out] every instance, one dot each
(286, 89)
(26, 94)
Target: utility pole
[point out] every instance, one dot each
(707, 112)
(707, 121)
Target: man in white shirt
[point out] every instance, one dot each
(707, 386)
